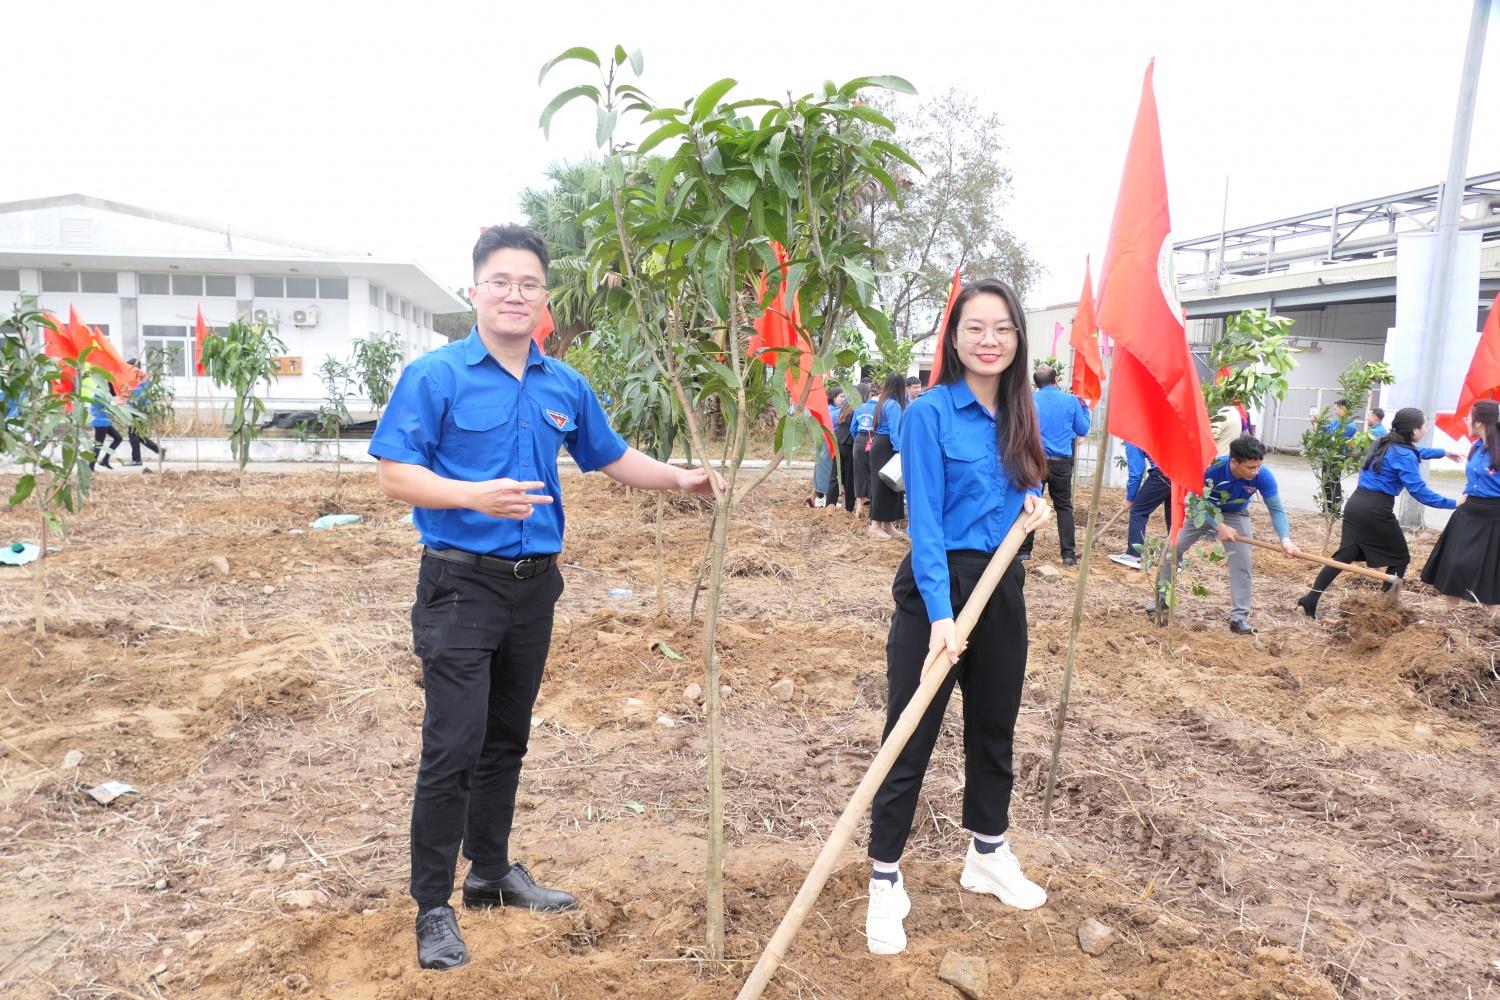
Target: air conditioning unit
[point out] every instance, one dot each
(305, 317)
(270, 316)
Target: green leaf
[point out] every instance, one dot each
(556, 104)
(619, 55)
(578, 52)
(635, 807)
(662, 114)
(661, 647)
(739, 190)
(23, 489)
(606, 125)
(895, 151)
(705, 103)
(667, 131)
(637, 61)
(892, 83)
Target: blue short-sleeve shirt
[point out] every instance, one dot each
(458, 412)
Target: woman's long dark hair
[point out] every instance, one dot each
(1403, 425)
(1486, 413)
(1016, 426)
(894, 388)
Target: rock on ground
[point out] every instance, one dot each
(1095, 938)
(970, 976)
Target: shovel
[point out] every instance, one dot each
(1391, 580)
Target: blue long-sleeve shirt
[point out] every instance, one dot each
(958, 491)
(1345, 427)
(888, 422)
(1378, 431)
(1062, 417)
(1231, 494)
(1481, 481)
(864, 417)
(1398, 470)
(1137, 462)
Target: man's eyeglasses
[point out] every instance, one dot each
(531, 290)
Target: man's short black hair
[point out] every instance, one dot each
(1341, 402)
(1044, 376)
(1247, 449)
(509, 237)
(1379, 413)
(912, 380)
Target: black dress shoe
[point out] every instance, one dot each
(517, 888)
(1070, 560)
(439, 945)
(1309, 604)
(1239, 627)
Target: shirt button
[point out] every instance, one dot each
(524, 424)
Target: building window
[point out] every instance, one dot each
(173, 343)
(219, 285)
(59, 281)
(406, 310)
(153, 284)
(333, 288)
(390, 303)
(187, 284)
(269, 288)
(301, 288)
(101, 282)
(374, 296)
(10, 280)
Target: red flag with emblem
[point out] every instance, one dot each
(937, 355)
(780, 327)
(1158, 401)
(1088, 366)
(1483, 379)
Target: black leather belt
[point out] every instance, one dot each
(520, 569)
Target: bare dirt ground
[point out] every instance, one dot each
(1311, 813)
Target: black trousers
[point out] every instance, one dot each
(1154, 491)
(1060, 489)
(1333, 487)
(845, 477)
(483, 638)
(100, 452)
(862, 471)
(136, 440)
(990, 673)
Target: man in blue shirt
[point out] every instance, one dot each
(1146, 489)
(1375, 423)
(137, 426)
(470, 439)
(1340, 425)
(1063, 418)
(1229, 483)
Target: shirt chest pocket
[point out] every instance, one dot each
(479, 424)
(966, 468)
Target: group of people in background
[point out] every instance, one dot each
(104, 425)
(868, 436)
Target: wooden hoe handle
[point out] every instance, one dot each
(936, 670)
(1373, 574)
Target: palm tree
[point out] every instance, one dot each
(576, 298)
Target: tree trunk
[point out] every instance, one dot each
(338, 463)
(661, 568)
(41, 584)
(1327, 535)
(712, 707)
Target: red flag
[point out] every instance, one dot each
(200, 334)
(58, 344)
(111, 360)
(1158, 400)
(544, 328)
(1483, 379)
(777, 327)
(937, 356)
(1088, 366)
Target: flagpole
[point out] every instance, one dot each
(1083, 576)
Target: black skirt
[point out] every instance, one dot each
(1371, 533)
(885, 503)
(1465, 562)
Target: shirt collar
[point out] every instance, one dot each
(1054, 385)
(475, 351)
(961, 394)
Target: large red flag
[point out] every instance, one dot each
(200, 334)
(101, 353)
(58, 344)
(1483, 379)
(780, 327)
(942, 331)
(1158, 402)
(1088, 366)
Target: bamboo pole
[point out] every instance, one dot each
(1089, 537)
(935, 672)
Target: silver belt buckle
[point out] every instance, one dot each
(516, 569)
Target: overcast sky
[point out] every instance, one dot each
(401, 132)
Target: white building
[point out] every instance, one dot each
(141, 276)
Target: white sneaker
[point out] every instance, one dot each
(820, 502)
(889, 905)
(1000, 875)
(1134, 562)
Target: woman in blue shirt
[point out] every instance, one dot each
(825, 469)
(1465, 562)
(972, 461)
(1371, 534)
(864, 430)
(103, 426)
(885, 503)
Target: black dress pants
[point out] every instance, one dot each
(862, 471)
(846, 473)
(101, 453)
(136, 440)
(483, 638)
(991, 673)
(1060, 489)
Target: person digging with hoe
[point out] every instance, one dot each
(470, 439)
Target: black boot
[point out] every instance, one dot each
(516, 888)
(1308, 602)
(439, 945)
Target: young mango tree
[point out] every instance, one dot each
(240, 359)
(375, 363)
(44, 428)
(1334, 455)
(693, 229)
(338, 382)
(1251, 361)
(154, 401)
